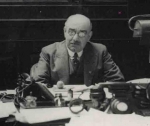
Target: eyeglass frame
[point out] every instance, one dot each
(78, 33)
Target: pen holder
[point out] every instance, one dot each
(70, 95)
(59, 101)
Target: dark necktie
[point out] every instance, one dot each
(75, 62)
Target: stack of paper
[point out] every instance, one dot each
(32, 116)
(78, 91)
(98, 118)
(142, 80)
(6, 109)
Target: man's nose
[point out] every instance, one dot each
(75, 37)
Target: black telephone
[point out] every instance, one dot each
(31, 88)
(135, 99)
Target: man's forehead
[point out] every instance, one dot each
(79, 22)
(78, 25)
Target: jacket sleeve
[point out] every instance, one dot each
(111, 70)
(41, 71)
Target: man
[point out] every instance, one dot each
(76, 60)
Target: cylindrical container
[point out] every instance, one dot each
(59, 101)
(70, 95)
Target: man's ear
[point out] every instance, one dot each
(65, 29)
(65, 32)
(90, 35)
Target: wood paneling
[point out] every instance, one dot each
(26, 28)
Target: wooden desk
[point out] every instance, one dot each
(85, 95)
(11, 121)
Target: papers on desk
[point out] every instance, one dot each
(32, 116)
(142, 80)
(8, 91)
(75, 88)
(65, 89)
(98, 118)
(77, 91)
(6, 109)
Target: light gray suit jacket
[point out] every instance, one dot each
(53, 65)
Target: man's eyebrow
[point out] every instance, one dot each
(71, 29)
(83, 31)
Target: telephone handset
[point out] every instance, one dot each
(38, 90)
(45, 92)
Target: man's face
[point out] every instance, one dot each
(77, 34)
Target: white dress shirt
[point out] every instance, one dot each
(71, 54)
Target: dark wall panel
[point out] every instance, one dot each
(53, 30)
(26, 28)
(61, 12)
(137, 7)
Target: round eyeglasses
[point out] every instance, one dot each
(81, 34)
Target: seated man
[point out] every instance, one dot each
(76, 60)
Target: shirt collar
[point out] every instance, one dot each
(71, 54)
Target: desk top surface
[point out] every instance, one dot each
(54, 90)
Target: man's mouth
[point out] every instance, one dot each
(75, 43)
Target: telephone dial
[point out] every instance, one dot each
(127, 98)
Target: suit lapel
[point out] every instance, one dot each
(61, 62)
(90, 62)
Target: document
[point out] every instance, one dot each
(41, 115)
(79, 91)
(141, 80)
(6, 109)
(99, 118)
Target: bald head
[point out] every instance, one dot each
(79, 19)
(77, 32)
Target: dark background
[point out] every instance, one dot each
(28, 25)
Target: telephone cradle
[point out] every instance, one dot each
(126, 98)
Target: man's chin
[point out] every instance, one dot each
(74, 48)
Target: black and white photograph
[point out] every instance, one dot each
(74, 62)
